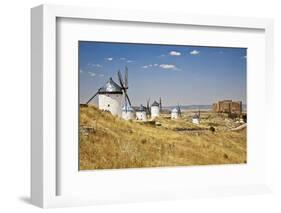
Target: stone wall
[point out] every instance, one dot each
(228, 106)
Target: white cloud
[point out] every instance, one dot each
(149, 65)
(163, 66)
(169, 66)
(96, 65)
(122, 58)
(194, 52)
(101, 75)
(92, 74)
(130, 61)
(81, 71)
(109, 59)
(174, 53)
(161, 56)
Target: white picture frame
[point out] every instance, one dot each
(45, 170)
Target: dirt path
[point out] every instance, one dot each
(243, 126)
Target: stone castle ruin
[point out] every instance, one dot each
(228, 106)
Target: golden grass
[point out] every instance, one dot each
(116, 143)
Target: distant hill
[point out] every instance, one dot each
(196, 107)
(192, 107)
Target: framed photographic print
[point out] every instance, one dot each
(130, 106)
(161, 111)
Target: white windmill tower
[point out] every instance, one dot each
(127, 110)
(141, 113)
(155, 109)
(109, 97)
(196, 118)
(176, 112)
(128, 113)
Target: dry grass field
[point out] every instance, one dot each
(108, 142)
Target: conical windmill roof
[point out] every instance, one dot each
(111, 87)
(155, 103)
(195, 116)
(176, 109)
(127, 108)
(141, 109)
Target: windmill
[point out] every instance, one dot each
(176, 112)
(160, 104)
(124, 86)
(110, 97)
(179, 109)
(148, 106)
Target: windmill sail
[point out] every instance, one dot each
(124, 86)
(148, 106)
(120, 79)
(126, 78)
(92, 97)
(160, 104)
(179, 110)
(128, 99)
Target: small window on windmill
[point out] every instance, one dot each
(108, 105)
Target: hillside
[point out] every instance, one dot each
(108, 142)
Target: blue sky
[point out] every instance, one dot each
(179, 74)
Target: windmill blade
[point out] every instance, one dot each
(120, 79)
(147, 106)
(126, 104)
(126, 78)
(92, 97)
(127, 98)
(160, 104)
